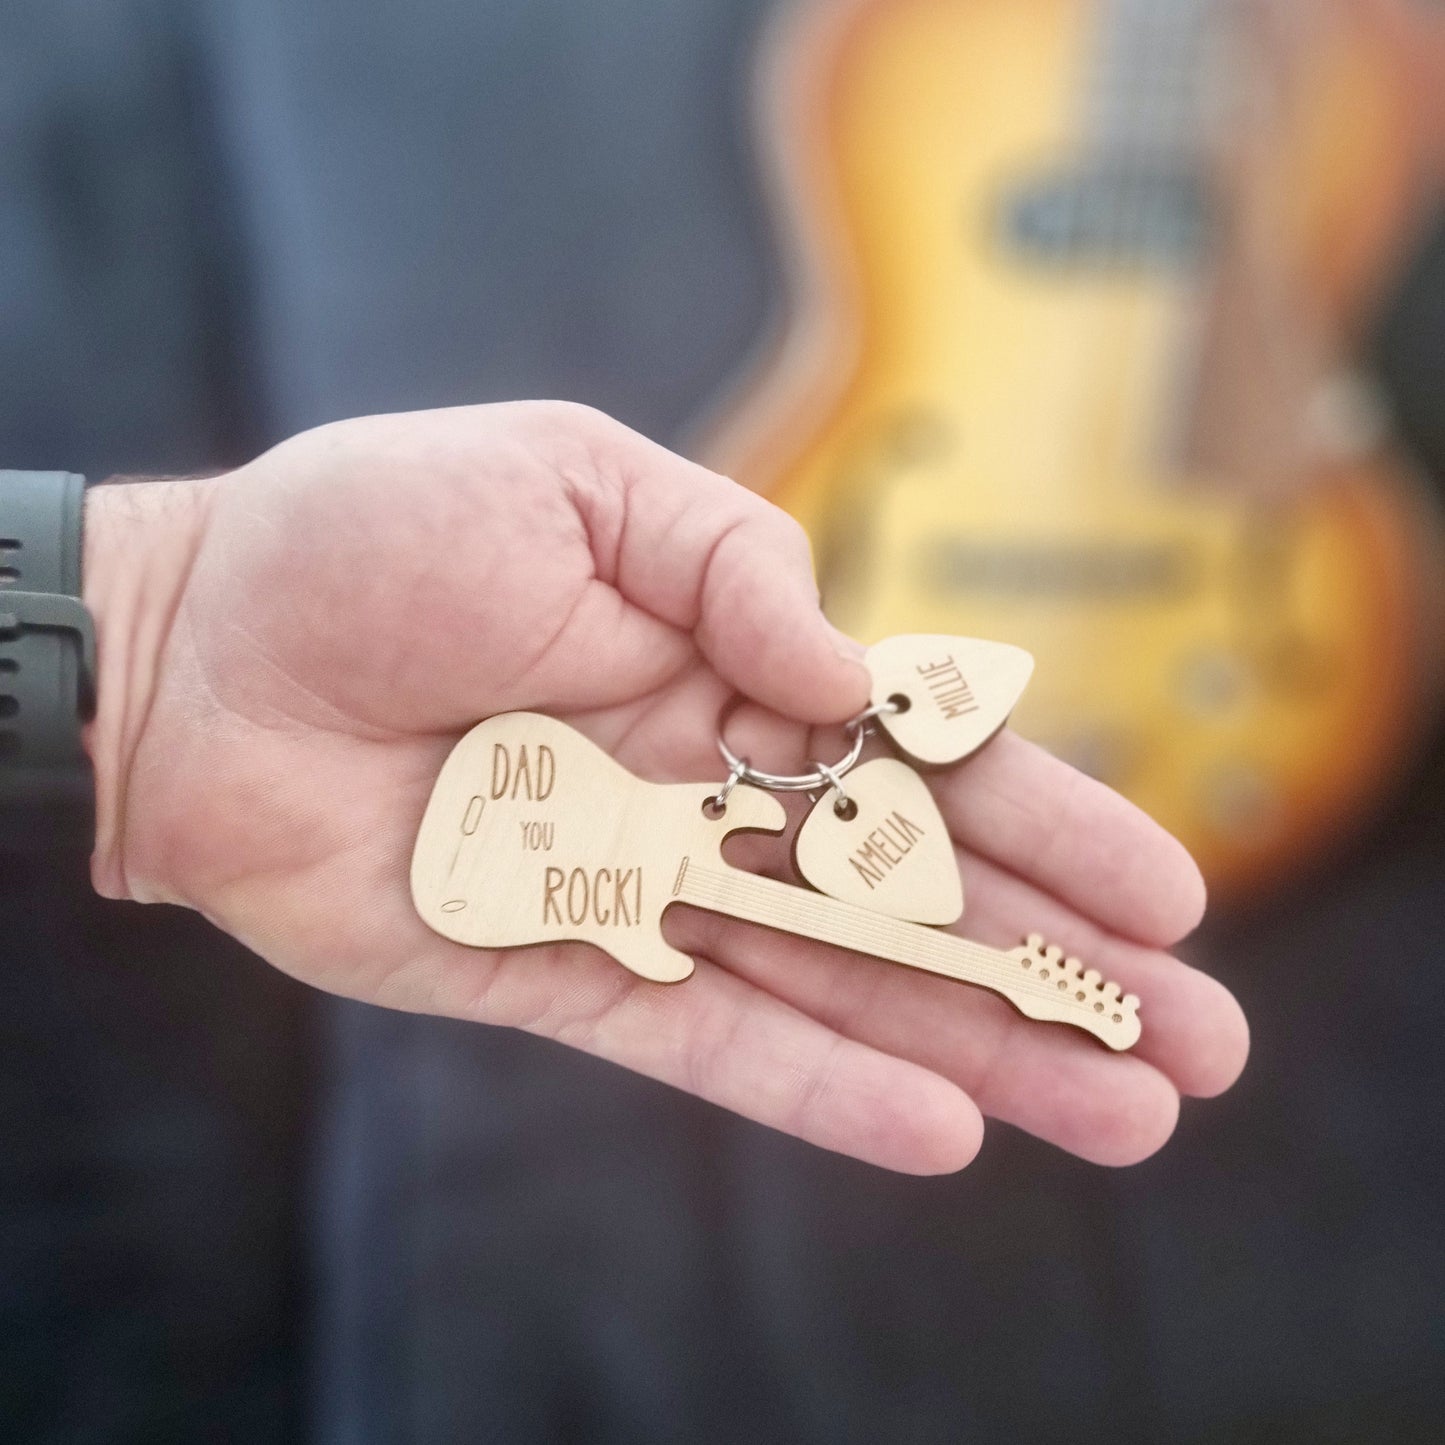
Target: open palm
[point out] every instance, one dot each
(326, 621)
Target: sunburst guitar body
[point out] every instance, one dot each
(1065, 371)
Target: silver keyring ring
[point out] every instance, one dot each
(878, 709)
(840, 799)
(789, 782)
(801, 782)
(735, 776)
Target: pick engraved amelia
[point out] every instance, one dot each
(885, 848)
(948, 688)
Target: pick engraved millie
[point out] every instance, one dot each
(948, 689)
(960, 692)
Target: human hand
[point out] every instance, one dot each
(288, 653)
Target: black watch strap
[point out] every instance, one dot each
(47, 665)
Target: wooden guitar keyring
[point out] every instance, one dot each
(534, 835)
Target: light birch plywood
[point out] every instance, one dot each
(533, 835)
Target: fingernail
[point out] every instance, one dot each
(848, 648)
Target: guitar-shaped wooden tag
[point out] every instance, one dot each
(534, 835)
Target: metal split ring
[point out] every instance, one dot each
(742, 771)
(840, 799)
(878, 709)
(735, 776)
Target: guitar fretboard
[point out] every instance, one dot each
(797, 911)
(1154, 89)
(1137, 192)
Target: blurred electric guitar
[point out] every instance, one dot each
(1066, 369)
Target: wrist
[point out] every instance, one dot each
(141, 540)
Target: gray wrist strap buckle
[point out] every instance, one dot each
(53, 612)
(47, 666)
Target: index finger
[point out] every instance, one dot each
(705, 554)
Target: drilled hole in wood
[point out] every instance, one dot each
(713, 809)
(846, 809)
(901, 701)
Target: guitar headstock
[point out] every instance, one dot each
(1068, 992)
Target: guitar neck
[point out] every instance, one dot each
(1153, 91)
(1038, 985)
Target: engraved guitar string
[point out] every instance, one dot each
(776, 904)
(798, 913)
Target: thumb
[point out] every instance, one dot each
(709, 556)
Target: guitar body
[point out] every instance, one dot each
(1004, 411)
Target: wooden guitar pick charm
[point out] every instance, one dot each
(954, 693)
(890, 852)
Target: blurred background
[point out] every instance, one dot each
(1114, 328)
